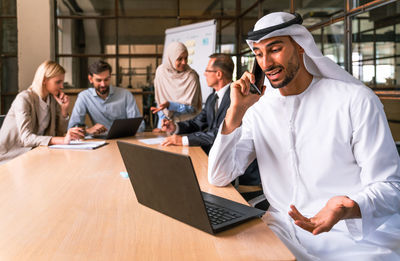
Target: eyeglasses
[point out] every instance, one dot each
(208, 71)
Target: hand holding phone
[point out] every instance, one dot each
(242, 99)
(257, 86)
(81, 127)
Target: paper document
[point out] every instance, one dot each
(79, 145)
(153, 141)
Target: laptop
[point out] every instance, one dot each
(121, 128)
(166, 182)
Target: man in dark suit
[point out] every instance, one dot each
(202, 130)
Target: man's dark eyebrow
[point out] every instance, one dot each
(269, 44)
(274, 42)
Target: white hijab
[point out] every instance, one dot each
(315, 63)
(171, 85)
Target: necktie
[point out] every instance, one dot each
(215, 105)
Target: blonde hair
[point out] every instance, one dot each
(47, 70)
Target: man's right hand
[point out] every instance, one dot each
(241, 100)
(168, 126)
(96, 129)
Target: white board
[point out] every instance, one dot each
(199, 39)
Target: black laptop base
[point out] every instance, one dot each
(239, 213)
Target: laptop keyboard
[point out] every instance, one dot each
(219, 215)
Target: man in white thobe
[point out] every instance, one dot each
(328, 163)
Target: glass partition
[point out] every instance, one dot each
(375, 48)
(8, 54)
(314, 12)
(86, 8)
(8, 8)
(358, 3)
(333, 42)
(123, 33)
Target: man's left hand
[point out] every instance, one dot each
(337, 208)
(172, 140)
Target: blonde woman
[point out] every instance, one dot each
(38, 116)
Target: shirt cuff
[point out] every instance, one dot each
(356, 226)
(46, 141)
(173, 106)
(176, 128)
(185, 141)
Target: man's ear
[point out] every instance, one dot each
(90, 78)
(219, 74)
(300, 49)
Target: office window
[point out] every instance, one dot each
(107, 29)
(118, 31)
(375, 48)
(314, 12)
(358, 3)
(8, 54)
(333, 42)
(317, 35)
(111, 30)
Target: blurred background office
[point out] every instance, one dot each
(362, 36)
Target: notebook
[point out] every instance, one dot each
(80, 145)
(121, 128)
(166, 182)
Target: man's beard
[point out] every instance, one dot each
(104, 90)
(292, 70)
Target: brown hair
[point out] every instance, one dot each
(99, 67)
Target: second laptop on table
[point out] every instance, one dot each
(121, 128)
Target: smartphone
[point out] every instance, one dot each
(81, 126)
(258, 85)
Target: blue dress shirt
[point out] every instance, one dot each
(119, 104)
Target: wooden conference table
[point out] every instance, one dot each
(75, 205)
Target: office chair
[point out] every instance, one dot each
(398, 146)
(254, 195)
(2, 117)
(249, 186)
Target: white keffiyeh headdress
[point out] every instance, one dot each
(286, 24)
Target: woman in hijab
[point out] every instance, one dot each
(177, 86)
(38, 115)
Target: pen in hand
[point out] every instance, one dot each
(166, 117)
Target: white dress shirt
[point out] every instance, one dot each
(43, 115)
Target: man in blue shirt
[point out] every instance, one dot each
(103, 103)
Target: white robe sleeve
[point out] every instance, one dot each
(375, 152)
(230, 155)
